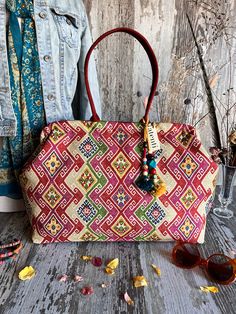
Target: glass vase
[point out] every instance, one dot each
(226, 192)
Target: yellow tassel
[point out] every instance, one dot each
(160, 189)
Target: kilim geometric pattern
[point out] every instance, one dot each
(82, 184)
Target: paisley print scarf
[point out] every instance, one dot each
(26, 94)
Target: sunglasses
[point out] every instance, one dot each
(219, 267)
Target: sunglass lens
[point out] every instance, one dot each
(220, 268)
(186, 255)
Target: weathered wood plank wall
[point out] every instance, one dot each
(124, 69)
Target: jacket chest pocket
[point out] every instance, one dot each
(67, 26)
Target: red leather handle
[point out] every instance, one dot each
(152, 59)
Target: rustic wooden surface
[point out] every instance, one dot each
(176, 291)
(124, 69)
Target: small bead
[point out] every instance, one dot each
(155, 176)
(144, 162)
(155, 181)
(153, 171)
(145, 173)
(144, 159)
(152, 164)
(145, 167)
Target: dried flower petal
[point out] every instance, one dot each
(157, 270)
(232, 137)
(86, 258)
(111, 266)
(207, 289)
(216, 159)
(215, 151)
(224, 151)
(109, 271)
(128, 299)
(96, 261)
(78, 278)
(87, 290)
(63, 278)
(139, 281)
(27, 273)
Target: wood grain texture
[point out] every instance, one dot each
(176, 291)
(124, 69)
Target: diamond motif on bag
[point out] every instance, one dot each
(188, 165)
(88, 147)
(121, 197)
(88, 124)
(187, 227)
(57, 134)
(87, 179)
(153, 237)
(53, 226)
(188, 198)
(52, 164)
(121, 165)
(86, 211)
(155, 214)
(120, 136)
(184, 137)
(121, 227)
(52, 196)
(88, 236)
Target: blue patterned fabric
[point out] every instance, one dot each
(26, 94)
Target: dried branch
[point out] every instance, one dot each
(210, 101)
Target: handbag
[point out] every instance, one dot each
(119, 181)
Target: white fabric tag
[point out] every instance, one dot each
(152, 139)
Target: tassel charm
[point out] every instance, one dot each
(149, 181)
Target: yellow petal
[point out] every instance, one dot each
(113, 264)
(139, 281)
(128, 299)
(26, 273)
(86, 258)
(212, 289)
(109, 271)
(157, 270)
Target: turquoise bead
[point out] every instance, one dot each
(152, 164)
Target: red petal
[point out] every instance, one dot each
(87, 290)
(96, 261)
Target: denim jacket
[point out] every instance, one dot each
(63, 38)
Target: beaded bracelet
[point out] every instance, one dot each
(15, 242)
(10, 250)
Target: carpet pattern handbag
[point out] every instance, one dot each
(119, 181)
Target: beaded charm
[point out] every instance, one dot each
(9, 251)
(144, 183)
(149, 181)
